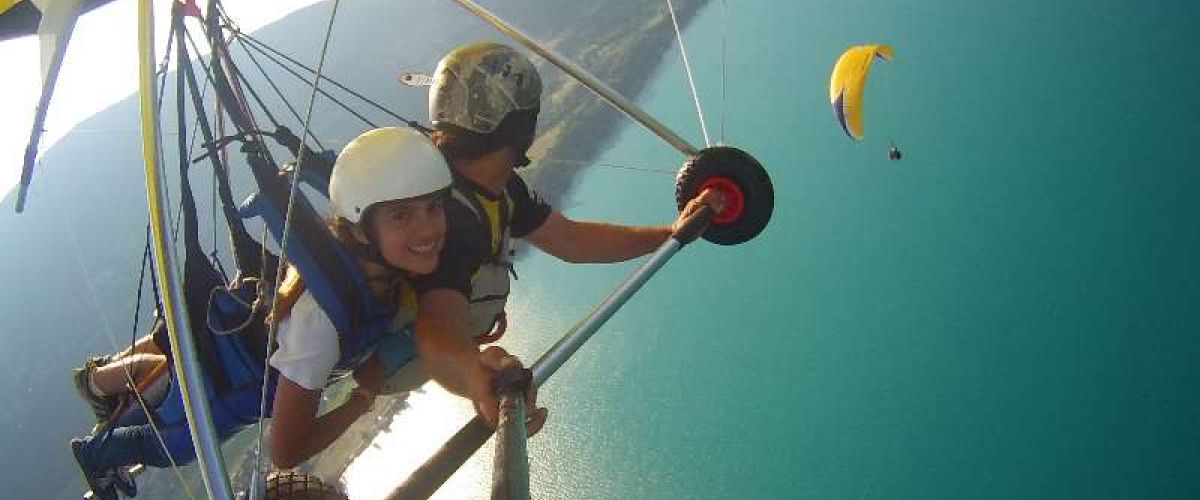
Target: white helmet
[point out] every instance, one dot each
(475, 86)
(385, 164)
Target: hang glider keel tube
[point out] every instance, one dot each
(510, 466)
(749, 204)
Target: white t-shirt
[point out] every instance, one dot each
(309, 349)
(308, 345)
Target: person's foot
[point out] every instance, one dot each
(104, 360)
(102, 406)
(124, 482)
(102, 485)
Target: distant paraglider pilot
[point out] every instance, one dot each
(894, 153)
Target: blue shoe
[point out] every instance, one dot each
(102, 487)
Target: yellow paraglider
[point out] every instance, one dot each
(847, 82)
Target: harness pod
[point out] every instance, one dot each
(487, 320)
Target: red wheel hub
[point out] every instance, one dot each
(735, 201)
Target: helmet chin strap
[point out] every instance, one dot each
(373, 253)
(377, 256)
(521, 150)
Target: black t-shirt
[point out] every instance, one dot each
(468, 243)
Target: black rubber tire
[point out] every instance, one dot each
(284, 485)
(749, 175)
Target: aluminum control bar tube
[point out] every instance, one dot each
(187, 366)
(587, 79)
(510, 466)
(562, 350)
(425, 481)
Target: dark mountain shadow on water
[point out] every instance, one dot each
(72, 260)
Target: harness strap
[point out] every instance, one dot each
(330, 273)
(495, 215)
(487, 212)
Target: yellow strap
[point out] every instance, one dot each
(408, 298)
(8, 4)
(492, 210)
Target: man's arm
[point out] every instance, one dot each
(450, 358)
(576, 241)
(579, 241)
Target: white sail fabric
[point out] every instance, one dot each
(58, 20)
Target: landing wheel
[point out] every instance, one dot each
(282, 485)
(745, 185)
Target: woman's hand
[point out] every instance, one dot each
(362, 399)
(370, 377)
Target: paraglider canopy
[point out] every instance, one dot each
(847, 82)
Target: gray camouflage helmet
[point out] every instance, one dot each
(475, 86)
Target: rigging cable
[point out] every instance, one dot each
(155, 111)
(322, 92)
(239, 239)
(279, 93)
(191, 151)
(108, 331)
(162, 85)
(264, 48)
(239, 80)
(724, 49)
(208, 77)
(579, 163)
(283, 244)
(688, 68)
(236, 86)
(137, 305)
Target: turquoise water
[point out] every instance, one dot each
(1009, 312)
